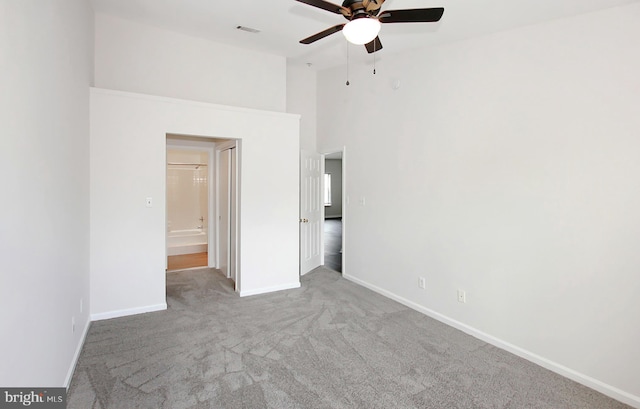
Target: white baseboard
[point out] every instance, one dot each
(270, 289)
(583, 379)
(131, 311)
(76, 356)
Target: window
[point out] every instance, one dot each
(327, 189)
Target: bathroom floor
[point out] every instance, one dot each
(185, 261)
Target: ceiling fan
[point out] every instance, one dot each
(364, 20)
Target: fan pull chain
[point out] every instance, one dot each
(347, 62)
(374, 57)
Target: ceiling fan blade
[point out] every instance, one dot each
(412, 16)
(374, 46)
(325, 5)
(322, 34)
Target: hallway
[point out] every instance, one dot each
(333, 244)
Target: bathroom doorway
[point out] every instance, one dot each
(205, 231)
(188, 179)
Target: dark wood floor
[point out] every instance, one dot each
(333, 244)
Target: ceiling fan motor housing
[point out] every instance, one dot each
(359, 9)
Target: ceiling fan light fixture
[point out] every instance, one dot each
(361, 30)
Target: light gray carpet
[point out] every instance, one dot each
(329, 344)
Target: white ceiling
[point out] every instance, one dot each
(284, 22)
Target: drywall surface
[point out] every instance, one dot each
(301, 100)
(334, 168)
(512, 173)
(46, 68)
(140, 58)
(128, 165)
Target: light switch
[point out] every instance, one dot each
(149, 202)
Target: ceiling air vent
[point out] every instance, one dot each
(248, 29)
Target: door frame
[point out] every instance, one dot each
(234, 217)
(345, 203)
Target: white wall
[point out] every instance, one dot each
(334, 167)
(140, 58)
(513, 173)
(301, 99)
(128, 148)
(46, 68)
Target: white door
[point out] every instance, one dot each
(310, 210)
(224, 216)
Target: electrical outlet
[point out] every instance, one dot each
(422, 282)
(462, 296)
(73, 325)
(149, 202)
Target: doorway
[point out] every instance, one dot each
(203, 204)
(333, 202)
(187, 208)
